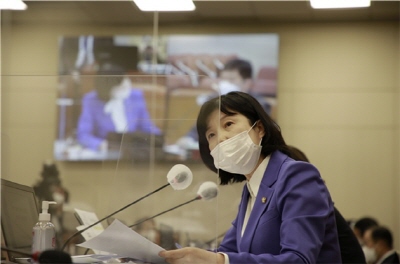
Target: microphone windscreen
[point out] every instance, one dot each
(54, 256)
(180, 177)
(208, 190)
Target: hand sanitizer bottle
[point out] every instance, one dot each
(44, 232)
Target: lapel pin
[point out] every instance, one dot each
(264, 200)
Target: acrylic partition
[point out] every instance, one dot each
(148, 162)
(113, 151)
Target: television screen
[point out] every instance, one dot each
(127, 97)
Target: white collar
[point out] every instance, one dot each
(254, 183)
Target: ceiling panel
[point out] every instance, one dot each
(225, 9)
(385, 10)
(329, 15)
(50, 11)
(281, 7)
(117, 12)
(125, 12)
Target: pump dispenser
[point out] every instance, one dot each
(44, 232)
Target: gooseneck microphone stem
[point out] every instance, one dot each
(104, 218)
(166, 211)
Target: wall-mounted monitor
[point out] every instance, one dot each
(126, 97)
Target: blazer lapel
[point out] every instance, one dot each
(263, 199)
(242, 214)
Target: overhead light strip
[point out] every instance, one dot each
(12, 5)
(321, 4)
(165, 5)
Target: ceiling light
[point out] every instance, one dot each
(318, 4)
(165, 5)
(12, 5)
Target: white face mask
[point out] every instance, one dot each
(58, 198)
(226, 87)
(369, 253)
(238, 154)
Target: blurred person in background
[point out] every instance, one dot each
(148, 229)
(382, 240)
(360, 228)
(50, 188)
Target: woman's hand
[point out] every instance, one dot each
(190, 255)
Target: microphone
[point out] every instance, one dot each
(179, 177)
(207, 191)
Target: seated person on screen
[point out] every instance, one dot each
(112, 107)
(237, 75)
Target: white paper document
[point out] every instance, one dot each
(123, 241)
(87, 219)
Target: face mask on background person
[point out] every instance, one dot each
(149, 234)
(225, 87)
(222, 87)
(369, 253)
(122, 90)
(58, 198)
(238, 154)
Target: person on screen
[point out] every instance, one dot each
(237, 75)
(114, 106)
(286, 214)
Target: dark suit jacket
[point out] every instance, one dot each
(292, 220)
(393, 258)
(350, 248)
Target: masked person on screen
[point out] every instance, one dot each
(237, 75)
(114, 106)
(286, 214)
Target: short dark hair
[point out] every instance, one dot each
(231, 104)
(365, 223)
(242, 66)
(381, 233)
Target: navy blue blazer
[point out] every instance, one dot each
(292, 220)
